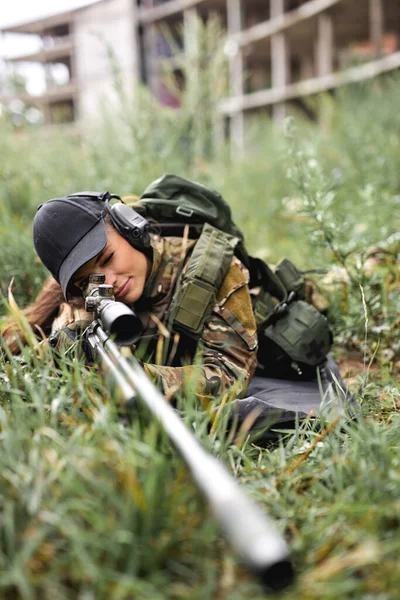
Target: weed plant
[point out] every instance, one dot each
(91, 508)
(349, 197)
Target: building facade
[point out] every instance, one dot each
(279, 51)
(86, 41)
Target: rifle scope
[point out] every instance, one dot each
(116, 318)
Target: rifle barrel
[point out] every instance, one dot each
(248, 529)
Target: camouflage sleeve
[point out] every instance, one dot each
(226, 353)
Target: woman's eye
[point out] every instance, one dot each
(81, 283)
(107, 259)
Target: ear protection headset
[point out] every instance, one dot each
(129, 223)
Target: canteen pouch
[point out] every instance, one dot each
(294, 343)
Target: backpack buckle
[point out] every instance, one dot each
(282, 308)
(184, 212)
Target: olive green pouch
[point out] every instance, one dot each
(292, 334)
(291, 278)
(302, 333)
(202, 279)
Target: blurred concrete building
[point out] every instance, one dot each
(280, 51)
(80, 40)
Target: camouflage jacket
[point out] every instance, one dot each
(223, 359)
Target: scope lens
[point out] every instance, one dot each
(121, 322)
(126, 330)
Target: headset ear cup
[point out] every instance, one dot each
(130, 224)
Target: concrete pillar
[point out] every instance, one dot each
(193, 81)
(376, 19)
(48, 76)
(150, 59)
(279, 60)
(136, 41)
(235, 24)
(74, 73)
(324, 47)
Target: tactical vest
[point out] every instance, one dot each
(294, 337)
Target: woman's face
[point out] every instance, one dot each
(125, 268)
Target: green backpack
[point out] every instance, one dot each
(294, 337)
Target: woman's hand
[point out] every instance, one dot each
(66, 329)
(73, 318)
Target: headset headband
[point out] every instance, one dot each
(129, 223)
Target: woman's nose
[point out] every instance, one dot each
(111, 278)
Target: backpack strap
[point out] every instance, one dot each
(279, 287)
(201, 280)
(271, 294)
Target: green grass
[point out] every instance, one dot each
(89, 509)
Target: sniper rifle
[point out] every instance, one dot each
(251, 533)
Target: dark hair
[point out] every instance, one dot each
(40, 314)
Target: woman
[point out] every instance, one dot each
(82, 234)
(77, 235)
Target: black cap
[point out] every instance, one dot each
(68, 232)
